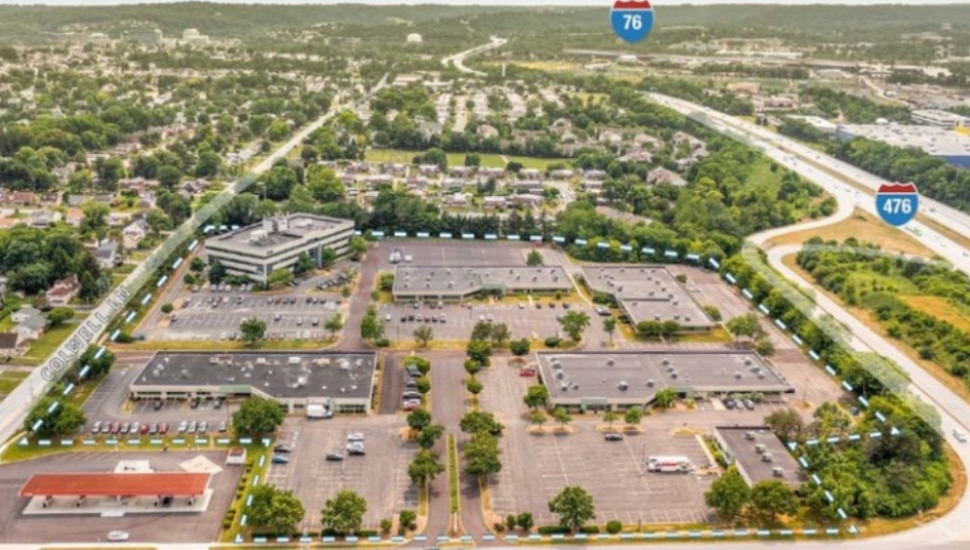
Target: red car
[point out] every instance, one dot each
(527, 371)
(143, 429)
(163, 428)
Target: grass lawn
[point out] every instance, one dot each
(17, 452)
(489, 160)
(51, 339)
(940, 308)
(864, 227)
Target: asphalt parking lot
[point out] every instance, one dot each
(435, 252)
(621, 490)
(525, 321)
(155, 528)
(380, 476)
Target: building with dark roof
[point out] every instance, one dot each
(623, 379)
(342, 382)
(460, 282)
(758, 454)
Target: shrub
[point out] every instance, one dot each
(552, 342)
(364, 533)
(407, 518)
(226, 523)
(589, 529)
(551, 530)
(614, 527)
(510, 521)
(498, 527)
(385, 526)
(382, 342)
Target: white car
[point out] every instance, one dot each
(355, 437)
(960, 436)
(118, 536)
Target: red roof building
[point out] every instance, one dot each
(111, 485)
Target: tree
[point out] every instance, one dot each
(746, 325)
(787, 424)
(418, 362)
(574, 506)
(253, 330)
(423, 335)
(423, 385)
(334, 324)
(327, 257)
(473, 159)
(473, 367)
(274, 509)
(358, 247)
(574, 322)
(536, 396)
(728, 495)
(561, 415)
(473, 386)
(419, 419)
(538, 418)
(713, 313)
(510, 522)
(482, 331)
(304, 264)
(425, 467)
(95, 216)
(371, 327)
(482, 455)
(633, 415)
(480, 421)
(665, 398)
(479, 350)
(216, 272)
(279, 277)
(771, 497)
(520, 347)
(525, 521)
(169, 177)
(65, 419)
(257, 416)
(99, 366)
(534, 259)
(610, 417)
(429, 435)
(344, 513)
(500, 334)
(167, 308)
(764, 347)
(58, 316)
(609, 326)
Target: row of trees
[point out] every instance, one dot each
(32, 259)
(280, 511)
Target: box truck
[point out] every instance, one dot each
(668, 464)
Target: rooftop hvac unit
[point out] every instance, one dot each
(564, 388)
(687, 318)
(737, 375)
(747, 361)
(656, 317)
(761, 375)
(609, 361)
(665, 362)
(677, 317)
(560, 374)
(766, 457)
(622, 386)
(749, 436)
(673, 375)
(778, 471)
(650, 383)
(670, 368)
(760, 448)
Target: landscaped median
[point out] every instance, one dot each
(26, 448)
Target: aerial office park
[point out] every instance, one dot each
(559, 381)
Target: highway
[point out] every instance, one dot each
(954, 411)
(458, 60)
(15, 407)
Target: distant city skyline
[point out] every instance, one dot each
(497, 3)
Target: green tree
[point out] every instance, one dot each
(728, 495)
(525, 521)
(253, 330)
(764, 347)
(609, 326)
(473, 159)
(787, 424)
(473, 367)
(500, 334)
(169, 177)
(65, 419)
(58, 316)
(771, 498)
(536, 396)
(257, 416)
(327, 257)
(425, 467)
(482, 331)
(746, 326)
(99, 366)
(473, 386)
(419, 419)
(217, 272)
(665, 398)
(279, 277)
(480, 421)
(371, 327)
(713, 313)
(534, 259)
(429, 435)
(562, 416)
(275, 510)
(423, 335)
(574, 506)
(610, 417)
(167, 308)
(520, 347)
(633, 416)
(94, 216)
(573, 323)
(482, 455)
(479, 350)
(344, 513)
(304, 264)
(423, 384)
(358, 247)
(334, 324)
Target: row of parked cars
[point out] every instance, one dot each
(738, 403)
(437, 318)
(155, 428)
(411, 397)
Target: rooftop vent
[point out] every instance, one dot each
(622, 386)
(778, 471)
(650, 383)
(737, 375)
(609, 361)
(749, 436)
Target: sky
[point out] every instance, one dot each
(656, 3)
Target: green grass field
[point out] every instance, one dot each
(489, 160)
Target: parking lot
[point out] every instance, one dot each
(143, 528)
(210, 313)
(380, 476)
(621, 490)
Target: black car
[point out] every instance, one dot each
(334, 457)
(285, 449)
(613, 437)
(413, 372)
(729, 403)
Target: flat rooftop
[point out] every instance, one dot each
(273, 232)
(931, 139)
(741, 443)
(639, 375)
(124, 484)
(280, 375)
(462, 280)
(647, 293)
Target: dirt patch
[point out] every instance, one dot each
(861, 226)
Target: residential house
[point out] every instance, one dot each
(418, 182)
(461, 171)
(454, 184)
(108, 254)
(491, 172)
(42, 218)
(12, 345)
(116, 219)
(487, 131)
(31, 328)
(395, 168)
(528, 199)
(50, 199)
(647, 141)
(75, 201)
(106, 198)
(370, 196)
(530, 173)
(25, 313)
(73, 217)
(637, 155)
(494, 202)
(526, 186)
(662, 175)
(744, 89)
(594, 174)
(429, 130)
(561, 174)
(456, 200)
(357, 168)
(610, 137)
(63, 291)
(593, 186)
(146, 200)
(377, 180)
(135, 232)
(21, 198)
(561, 126)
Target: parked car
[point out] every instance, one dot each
(124, 428)
(144, 429)
(959, 436)
(153, 429)
(334, 457)
(749, 404)
(284, 449)
(115, 428)
(158, 405)
(96, 428)
(191, 427)
(281, 459)
(163, 428)
(355, 449)
(410, 405)
(729, 403)
(117, 536)
(223, 427)
(203, 427)
(613, 437)
(355, 437)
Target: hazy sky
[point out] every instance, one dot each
(656, 3)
